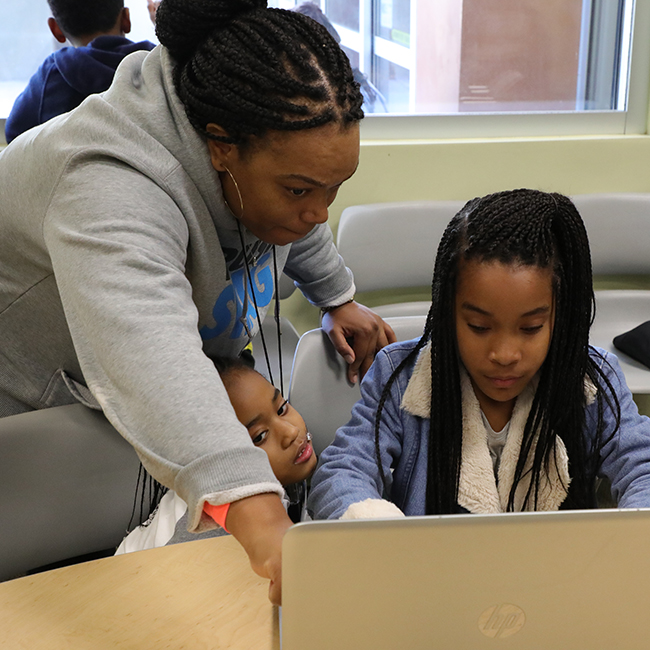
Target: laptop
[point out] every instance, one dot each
(570, 580)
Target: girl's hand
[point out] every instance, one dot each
(366, 332)
(259, 523)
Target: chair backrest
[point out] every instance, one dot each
(393, 245)
(288, 343)
(268, 335)
(616, 313)
(67, 487)
(319, 387)
(618, 226)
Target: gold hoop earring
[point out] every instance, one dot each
(241, 202)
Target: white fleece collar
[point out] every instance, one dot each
(478, 490)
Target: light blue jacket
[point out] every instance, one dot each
(348, 471)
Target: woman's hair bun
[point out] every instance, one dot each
(181, 25)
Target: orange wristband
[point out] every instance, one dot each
(218, 513)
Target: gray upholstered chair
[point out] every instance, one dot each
(393, 246)
(288, 341)
(618, 225)
(319, 387)
(618, 312)
(67, 487)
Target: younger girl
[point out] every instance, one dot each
(502, 405)
(274, 426)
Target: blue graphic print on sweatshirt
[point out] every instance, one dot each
(229, 307)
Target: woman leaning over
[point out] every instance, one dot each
(134, 228)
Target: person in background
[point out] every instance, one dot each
(96, 32)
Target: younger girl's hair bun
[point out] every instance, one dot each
(181, 25)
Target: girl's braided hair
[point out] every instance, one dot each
(250, 69)
(538, 229)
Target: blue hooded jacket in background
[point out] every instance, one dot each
(66, 78)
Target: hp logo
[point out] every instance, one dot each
(501, 621)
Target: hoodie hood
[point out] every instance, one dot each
(144, 96)
(90, 69)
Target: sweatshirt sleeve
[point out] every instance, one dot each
(348, 472)
(120, 270)
(625, 454)
(318, 270)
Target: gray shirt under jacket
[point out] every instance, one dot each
(114, 287)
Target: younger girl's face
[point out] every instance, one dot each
(504, 321)
(273, 424)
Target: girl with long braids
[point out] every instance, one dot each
(502, 405)
(143, 234)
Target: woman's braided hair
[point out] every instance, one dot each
(250, 69)
(531, 228)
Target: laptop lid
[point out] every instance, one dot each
(570, 580)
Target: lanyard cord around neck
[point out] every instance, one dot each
(150, 491)
(248, 281)
(278, 329)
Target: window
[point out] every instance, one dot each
(446, 68)
(25, 43)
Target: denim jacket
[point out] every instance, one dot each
(348, 473)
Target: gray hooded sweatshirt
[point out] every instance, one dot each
(119, 279)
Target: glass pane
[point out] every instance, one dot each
(353, 55)
(26, 41)
(494, 56)
(604, 83)
(393, 84)
(519, 55)
(344, 13)
(394, 21)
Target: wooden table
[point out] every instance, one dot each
(198, 595)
